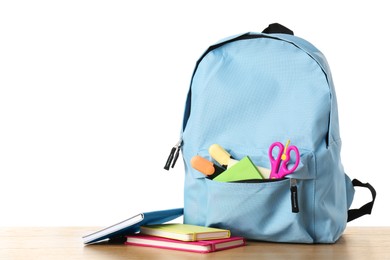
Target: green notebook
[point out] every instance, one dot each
(245, 169)
(185, 232)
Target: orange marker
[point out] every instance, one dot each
(206, 167)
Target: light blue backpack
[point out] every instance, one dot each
(247, 92)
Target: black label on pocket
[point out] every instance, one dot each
(294, 199)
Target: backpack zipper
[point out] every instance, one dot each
(173, 155)
(294, 195)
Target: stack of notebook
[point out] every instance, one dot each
(185, 237)
(147, 229)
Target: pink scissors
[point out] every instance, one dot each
(279, 167)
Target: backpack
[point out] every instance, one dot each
(248, 92)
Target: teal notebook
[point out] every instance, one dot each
(245, 169)
(132, 225)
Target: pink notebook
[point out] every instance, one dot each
(204, 246)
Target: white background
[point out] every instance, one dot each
(92, 95)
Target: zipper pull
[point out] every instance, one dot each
(173, 156)
(294, 195)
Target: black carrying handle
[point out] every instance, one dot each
(277, 28)
(365, 209)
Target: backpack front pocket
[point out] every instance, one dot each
(261, 210)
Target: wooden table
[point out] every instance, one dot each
(66, 243)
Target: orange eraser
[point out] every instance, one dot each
(203, 165)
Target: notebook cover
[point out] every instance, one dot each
(204, 246)
(185, 232)
(132, 225)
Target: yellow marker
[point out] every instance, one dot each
(221, 155)
(284, 156)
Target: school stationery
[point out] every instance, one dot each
(132, 225)
(206, 167)
(204, 246)
(224, 158)
(221, 155)
(185, 232)
(246, 92)
(241, 171)
(279, 164)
